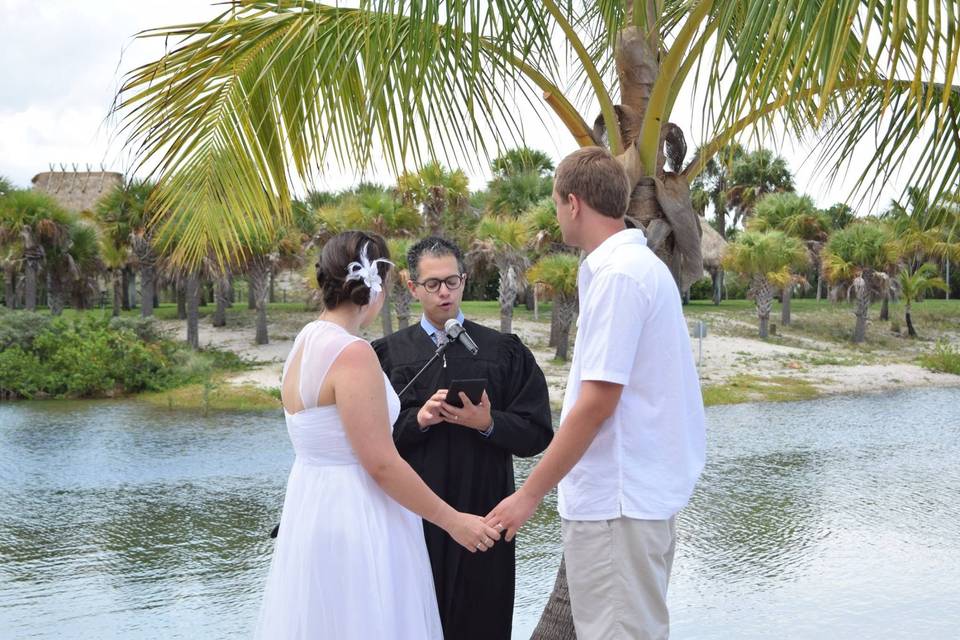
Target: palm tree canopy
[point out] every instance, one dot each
(916, 284)
(268, 93)
(125, 209)
(868, 245)
(557, 272)
(541, 221)
(521, 160)
(792, 213)
(504, 233)
(769, 254)
(36, 213)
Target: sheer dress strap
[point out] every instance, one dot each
(320, 343)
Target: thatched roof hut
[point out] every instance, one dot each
(77, 190)
(712, 246)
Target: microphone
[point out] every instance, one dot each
(455, 331)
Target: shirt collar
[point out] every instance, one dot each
(430, 329)
(601, 254)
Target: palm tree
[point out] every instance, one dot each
(436, 192)
(754, 175)
(797, 216)
(125, 214)
(712, 185)
(557, 272)
(521, 177)
(40, 225)
(768, 259)
(271, 249)
(859, 258)
(502, 239)
(251, 100)
(913, 286)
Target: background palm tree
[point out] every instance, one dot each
(754, 175)
(858, 258)
(768, 260)
(914, 285)
(126, 215)
(39, 225)
(267, 91)
(502, 239)
(115, 258)
(557, 272)
(440, 195)
(797, 216)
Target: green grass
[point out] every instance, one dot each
(749, 388)
(944, 358)
(215, 397)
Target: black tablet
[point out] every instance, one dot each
(472, 387)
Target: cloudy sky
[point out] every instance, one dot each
(62, 61)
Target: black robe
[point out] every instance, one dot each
(471, 472)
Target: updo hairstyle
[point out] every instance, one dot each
(337, 254)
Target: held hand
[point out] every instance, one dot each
(473, 416)
(471, 532)
(512, 513)
(429, 413)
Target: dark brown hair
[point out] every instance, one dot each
(595, 177)
(338, 252)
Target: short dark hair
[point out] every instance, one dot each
(433, 246)
(338, 252)
(596, 177)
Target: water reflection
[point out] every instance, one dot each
(838, 518)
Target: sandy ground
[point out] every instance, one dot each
(830, 368)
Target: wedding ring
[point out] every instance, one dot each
(456, 417)
(479, 545)
(499, 527)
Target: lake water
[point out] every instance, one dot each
(834, 518)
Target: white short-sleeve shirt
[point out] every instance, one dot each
(646, 457)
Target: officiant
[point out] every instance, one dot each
(464, 454)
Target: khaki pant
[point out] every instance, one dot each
(618, 571)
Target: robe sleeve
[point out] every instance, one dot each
(406, 430)
(522, 423)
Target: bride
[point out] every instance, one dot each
(350, 559)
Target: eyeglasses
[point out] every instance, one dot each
(432, 285)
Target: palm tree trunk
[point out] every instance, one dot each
(862, 306)
(508, 296)
(181, 289)
(192, 293)
(401, 303)
(565, 309)
(717, 285)
(146, 290)
(785, 305)
(251, 296)
(260, 289)
(117, 277)
(764, 301)
(231, 294)
(10, 287)
(556, 621)
(129, 288)
(31, 272)
(885, 306)
(385, 318)
(910, 330)
(55, 289)
(554, 326)
(221, 294)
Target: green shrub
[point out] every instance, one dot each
(702, 289)
(944, 358)
(90, 355)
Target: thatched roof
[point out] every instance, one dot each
(712, 245)
(77, 190)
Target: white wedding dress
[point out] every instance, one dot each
(349, 561)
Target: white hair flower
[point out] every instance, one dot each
(366, 270)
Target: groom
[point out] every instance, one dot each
(464, 454)
(630, 445)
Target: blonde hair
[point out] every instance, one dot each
(594, 176)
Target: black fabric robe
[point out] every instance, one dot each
(471, 472)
